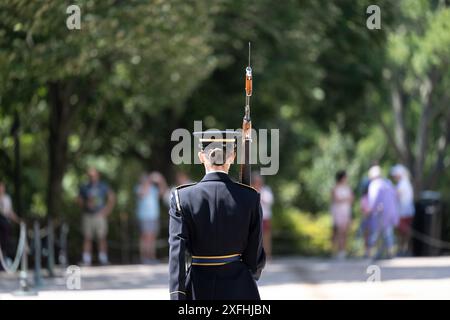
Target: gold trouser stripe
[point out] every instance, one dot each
(209, 264)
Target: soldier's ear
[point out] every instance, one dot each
(201, 156)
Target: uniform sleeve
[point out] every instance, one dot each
(178, 241)
(254, 256)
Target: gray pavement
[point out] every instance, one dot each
(284, 278)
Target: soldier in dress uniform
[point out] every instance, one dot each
(216, 224)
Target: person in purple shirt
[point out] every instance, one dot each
(383, 204)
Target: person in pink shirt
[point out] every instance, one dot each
(341, 210)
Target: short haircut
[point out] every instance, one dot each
(217, 154)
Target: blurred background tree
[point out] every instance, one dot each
(415, 80)
(111, 93)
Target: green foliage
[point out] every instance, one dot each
(298, 232)
(414, 95)
(139, 69)
(334, 152)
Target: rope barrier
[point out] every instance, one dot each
(45, 231)
(117, 244)
(13, 267)
(160, 243)
(437, 243)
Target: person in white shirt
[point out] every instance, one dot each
(266, 205)
(405, 196)
(6, 216)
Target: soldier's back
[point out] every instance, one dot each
(220, 211)
(220, 216)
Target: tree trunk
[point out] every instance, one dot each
(59, 129)
(162, 148)
(442, 146)
(161, 157)
(422, 135)
(400, 128)
(17, 165)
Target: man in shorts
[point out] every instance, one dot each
(96, 200)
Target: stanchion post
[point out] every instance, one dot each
(37, 254)
(23, 281)
(62, 257)
(51, 249)
(24, 269)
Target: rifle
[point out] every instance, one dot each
(245, 172)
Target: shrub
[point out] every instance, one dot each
(297, 232)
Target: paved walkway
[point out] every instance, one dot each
(283, 278)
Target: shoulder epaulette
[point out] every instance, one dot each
(185, 185)
(177, 196)
(246, 185)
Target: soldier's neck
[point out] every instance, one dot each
(217, 169)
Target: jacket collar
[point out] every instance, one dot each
(216, 176)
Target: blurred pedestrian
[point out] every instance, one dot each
(266, 196)
(151, 188)
(367, 220)
(96, 199)
(384, 206)
(405, 194)
(341, 210)
(7, 216)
